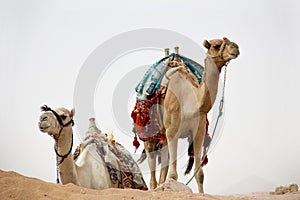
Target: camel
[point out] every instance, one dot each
(185, 109)
(96, 165)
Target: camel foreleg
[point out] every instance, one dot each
(164, 163)
(172, 139)
(151, 155)
(198, 142)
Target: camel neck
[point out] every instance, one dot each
(67, 169)
(211, 78)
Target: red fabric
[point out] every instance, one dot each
(205, 161)
(136, 143)
(147, 127)
(146, 121)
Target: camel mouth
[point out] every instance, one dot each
(233, 55)
(43, 128)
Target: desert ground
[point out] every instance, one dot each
(17, 186)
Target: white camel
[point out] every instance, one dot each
(186, 105)
(97, 165)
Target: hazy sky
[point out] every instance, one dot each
(44, 44)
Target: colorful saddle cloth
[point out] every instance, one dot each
(147, 125)
(153, 77)
(150, 90)
(121, 166)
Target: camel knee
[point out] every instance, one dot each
(149, 149)
(200, 178)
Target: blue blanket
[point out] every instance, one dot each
(153, 77)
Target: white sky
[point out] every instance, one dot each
(43, 45)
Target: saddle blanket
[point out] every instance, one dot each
(119, 162)
(150, 90)
(153, 77)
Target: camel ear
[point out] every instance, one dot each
(225, 39)
(206, 44)
(72, 112)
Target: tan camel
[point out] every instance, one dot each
(186, 105)
(96, 165)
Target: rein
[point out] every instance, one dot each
(45, 108)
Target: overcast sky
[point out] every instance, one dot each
(44, 44)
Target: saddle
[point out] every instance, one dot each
(151, 91)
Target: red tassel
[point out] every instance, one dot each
(136, 143)
(205, 161)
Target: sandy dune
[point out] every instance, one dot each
(16, 186)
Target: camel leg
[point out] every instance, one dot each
(172, 139)
(164, 163)
(200, 180)
(151, 155)
(198, 142)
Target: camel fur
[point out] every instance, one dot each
(185, 109)
(90, 168)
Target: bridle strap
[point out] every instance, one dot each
(71, 122)
(222, 48)
(46, 108)
(65, 155)
(220, 54)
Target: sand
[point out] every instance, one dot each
(16, 186)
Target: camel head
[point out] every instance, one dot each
(221, 50)
(54, 121)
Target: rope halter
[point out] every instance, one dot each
(45, 108)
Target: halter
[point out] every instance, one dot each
(220, 54)
(45, 108)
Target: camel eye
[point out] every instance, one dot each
(63, 117)
(217, 46)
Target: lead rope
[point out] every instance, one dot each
(221, 104)
(63, 157)
(57, 171)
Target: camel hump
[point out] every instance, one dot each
(93, 129)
